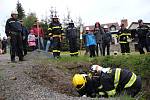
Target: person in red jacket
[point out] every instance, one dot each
(39, 31)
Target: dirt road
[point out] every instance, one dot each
(15, 83)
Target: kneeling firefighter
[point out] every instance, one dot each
(107, 82)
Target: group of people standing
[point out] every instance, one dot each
(142, 33)
(20, 38)
(56, 35)
(97, 40)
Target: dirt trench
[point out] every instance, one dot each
(37, 78)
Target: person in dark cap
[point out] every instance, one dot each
(71, 34)
(142, 31)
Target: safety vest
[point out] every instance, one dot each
(123, 37)
(55, 30)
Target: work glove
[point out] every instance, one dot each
(49, 34)
(84, 96)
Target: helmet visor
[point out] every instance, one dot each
(79, 86)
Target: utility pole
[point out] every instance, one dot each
(37, 23)
(81, 38)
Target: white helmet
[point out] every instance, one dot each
(106, 26)
(87, 29)
(96, 68)
(14, 12)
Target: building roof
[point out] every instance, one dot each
(112, 24)
(134, 25)
(102, 25)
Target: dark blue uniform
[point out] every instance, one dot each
(25, 34)
(148, 40)
(116, 81)
(13, 29)
(56, 31)
(4, 45)
(142, 32)
(123, 35)
(71, 34)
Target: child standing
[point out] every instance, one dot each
(90, 42)
(31, 40)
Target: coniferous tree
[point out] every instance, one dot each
(21, 13)
(29, 20)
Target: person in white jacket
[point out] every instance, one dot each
(31, 40)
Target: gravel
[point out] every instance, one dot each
(15, 83)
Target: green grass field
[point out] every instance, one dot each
(139, 64)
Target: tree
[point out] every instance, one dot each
(30, 20)
(21, 13)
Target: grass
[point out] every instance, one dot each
(139, 64)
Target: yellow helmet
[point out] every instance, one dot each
(79, 81)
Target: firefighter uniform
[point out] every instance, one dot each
(71, 34)
(56, 32)
(123, 36)
(148, 40)
(13, 30)
(142, 32)
(113, 82)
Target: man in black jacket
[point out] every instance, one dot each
(25, 34)
(107, 82)
(71, 34)
(142, 32)
(148, 40)
(13, 31)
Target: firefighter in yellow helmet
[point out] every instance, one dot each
(107, 82)
(84, 85)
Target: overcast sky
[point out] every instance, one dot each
(104, 11)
